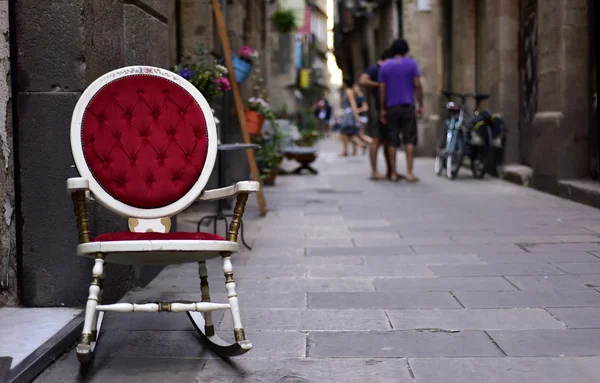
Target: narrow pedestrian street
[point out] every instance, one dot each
(352, 280)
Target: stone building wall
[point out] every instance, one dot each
(561, 126)
(8, 248)
(463, 41)
(62, 47)
(422, 29)
(485, 57)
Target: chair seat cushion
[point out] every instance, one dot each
(151, 236)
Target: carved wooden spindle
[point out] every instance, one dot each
(84, 347)
(209, 328)
(81, 214)
(234, 226)
(238, 330)
(99, 301)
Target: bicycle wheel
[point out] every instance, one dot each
(455, 158)
(479, 161)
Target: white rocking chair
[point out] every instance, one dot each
(144, 142)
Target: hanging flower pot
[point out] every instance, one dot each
(254, 122)
(242, 69)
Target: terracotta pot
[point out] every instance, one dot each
(254, 122)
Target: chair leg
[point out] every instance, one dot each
(209, 328)
(202, 322)
(85, 348)
(238, 330)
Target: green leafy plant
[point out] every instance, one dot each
(268, 156)
(282, 113)
(284, 20)
(202, 70)
(307, 128)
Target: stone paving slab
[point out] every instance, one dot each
(467, 249)
(528, 299)
(539, 258)
(308, 370)
(361, 251)
(506, 370)
(130, 370)
(501, 269)
(285, 285)
(474, 319)
(566, 247)
(311, 320)
(578, 317)
(579, 268)
(435, 259)
(344, 271)
(571, 342)
(382, 300)
(400, 344)
(187, 344)
(551, 282)
(302, 260)
(444, 284)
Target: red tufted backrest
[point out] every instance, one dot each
(145, 138)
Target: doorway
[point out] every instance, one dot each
(528, 50)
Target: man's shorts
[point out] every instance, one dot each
(376, 128)
(401, 119)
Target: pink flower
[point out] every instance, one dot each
(224, 83)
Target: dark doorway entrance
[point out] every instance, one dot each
(528, 76)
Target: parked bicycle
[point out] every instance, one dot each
(474, 137)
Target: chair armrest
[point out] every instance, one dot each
(230, 191)
(76, 184)
(79, 184)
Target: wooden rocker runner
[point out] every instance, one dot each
(144, 142)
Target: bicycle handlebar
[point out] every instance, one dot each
(449, 94)
(479, 97)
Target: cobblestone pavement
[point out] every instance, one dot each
(352, 280)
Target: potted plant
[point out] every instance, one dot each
(307, 128)
(202, 70)
(284, 20)
(268, 158)
(243, 63)
(256, 113)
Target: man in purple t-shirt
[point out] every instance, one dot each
(399, 85)
(369, 79)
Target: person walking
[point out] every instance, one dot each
(323, 114)
(378, 130)
(350, 124)
(399, 86)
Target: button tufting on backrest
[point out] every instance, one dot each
(139, 148)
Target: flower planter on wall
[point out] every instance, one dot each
(242, 69)
(254, 122)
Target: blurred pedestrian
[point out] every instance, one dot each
(323, 114)
(378, 130)
(350, 125)
(399, 86)
(363, 113)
